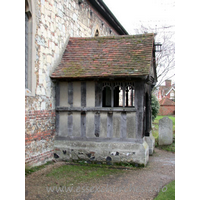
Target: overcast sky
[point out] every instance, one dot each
(132, 13)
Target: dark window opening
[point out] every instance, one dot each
(96, 33)
(158, 47)
(118, 95)
(106, 97)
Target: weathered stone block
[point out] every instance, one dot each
(109, 152)
(49, 58)
(165, 131)
(151, 142)
(40, 41)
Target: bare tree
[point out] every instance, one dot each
(165, 60)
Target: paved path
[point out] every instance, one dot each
(142, 183)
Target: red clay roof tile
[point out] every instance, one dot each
(114, 56)
(166, 102)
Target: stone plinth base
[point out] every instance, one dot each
(102, 152)
(151, 142)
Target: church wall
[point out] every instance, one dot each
(54, 22)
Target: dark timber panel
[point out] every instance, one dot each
(57, 89)
(57, 122)
(70, 124)
(139, 105)
(148, 110)
(95, 109)
(98, 94)
(97, 125)
(83, 114)
(83, 124)
(83, 94)
(70, 93)
(110, 125)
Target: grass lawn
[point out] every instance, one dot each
(73, 174)
(156, 134)
(167, 192)
(29, 170)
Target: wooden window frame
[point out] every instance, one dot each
(30, 86)
(124, 87)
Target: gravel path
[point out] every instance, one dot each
(140, 183)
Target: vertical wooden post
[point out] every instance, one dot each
(150, 117)
(57, 90)
(70, 114)
(83, 94)
(70, 93)
(97, 125)
(124, 88)
(139, 105)
(127, 97)
(109, 125)
(98, 94)
(83, 124)
(83, 114)
(148, 114)
(98, 103)
(70, 124)
(131, 96)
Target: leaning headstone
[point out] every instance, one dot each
(165, 131)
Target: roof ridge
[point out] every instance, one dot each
(115, 36)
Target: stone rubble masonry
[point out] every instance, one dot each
(102, 152)
(39, 159)
(55, 22)
(39, 136)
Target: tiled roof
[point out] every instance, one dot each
(166, 89)
(166, 102)
(114, 56)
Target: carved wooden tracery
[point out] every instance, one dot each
(118, 94)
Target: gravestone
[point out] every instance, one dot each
(165, 131)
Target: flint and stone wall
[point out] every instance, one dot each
(53, 22)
